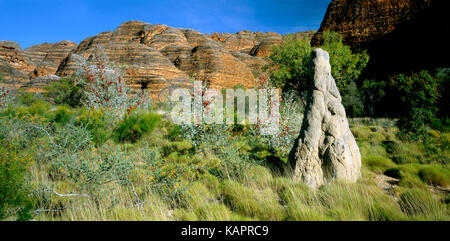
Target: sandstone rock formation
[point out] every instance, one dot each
(152, 56)
(326, 149)
(155, 55)
(253, 43)
(15, 65)
(404, 27)
(47, 57)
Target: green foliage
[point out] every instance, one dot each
(71, 138)
(419, 94)
(346, 66)
(290, 67)
(373, 91)
(351, 98)
(26, 98)
(64, 92)
(135, 125)
(14, 184)
(63, 115)
(290, 64)
(97, 123)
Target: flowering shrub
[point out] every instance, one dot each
(104, 86)
(6, 96)
(291, 116)
(291, 113)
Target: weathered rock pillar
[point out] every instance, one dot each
(326, 149)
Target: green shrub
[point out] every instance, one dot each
(71, 138)
(26, 98)
(14, 186)
(64, 92)
(63, 115)
(97, 123)
(289, 64)
(134, 126)
(419, 94)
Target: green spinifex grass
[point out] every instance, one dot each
(162, 176)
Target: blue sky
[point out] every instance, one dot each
(33, 22)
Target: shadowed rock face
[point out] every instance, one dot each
(326, 149)
(404, 27)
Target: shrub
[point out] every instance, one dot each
(14, 186)
(291, 114)
(373, 91)
(346, 66)
(135, 125)
(63, 115)
(418, 95)
(352, 100)
(71, 138)
(95, 170)
(64, 92)
(97, 123)
(6, 96)
(26, 98)
(289, 66)
(104, 87)
(37, 112)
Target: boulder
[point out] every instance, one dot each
(326, 149)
